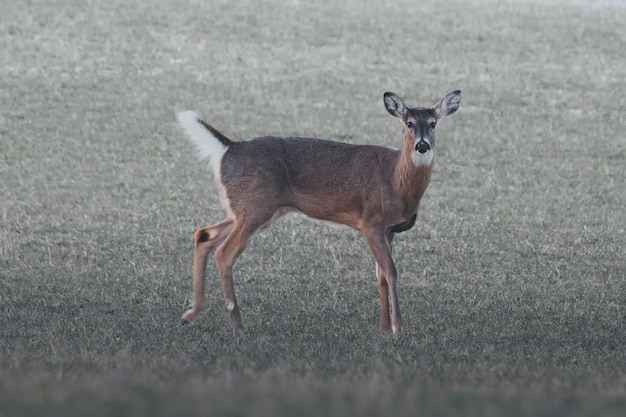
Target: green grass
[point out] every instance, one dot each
(512, 284)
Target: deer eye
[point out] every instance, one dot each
(433, 125)
(409, 125)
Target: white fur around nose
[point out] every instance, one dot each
(422, 159)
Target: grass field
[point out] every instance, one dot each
(512, 284)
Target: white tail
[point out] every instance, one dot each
(375, 190)
(208, 144)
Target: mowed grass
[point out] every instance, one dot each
(512, 284)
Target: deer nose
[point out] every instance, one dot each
(422, 146)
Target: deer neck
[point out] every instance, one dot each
(411, 179)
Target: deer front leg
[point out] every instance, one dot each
(383, 290)
(205, 240)
(380, 245)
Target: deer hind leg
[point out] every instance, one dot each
(380, 244)
(225, 256)
(205, 240)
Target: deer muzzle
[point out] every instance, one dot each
(422, 146)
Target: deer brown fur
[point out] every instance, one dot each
(375, 190)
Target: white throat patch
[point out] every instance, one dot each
(422, 159)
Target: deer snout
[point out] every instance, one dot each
(422, 146)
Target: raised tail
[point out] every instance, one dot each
(210, 144)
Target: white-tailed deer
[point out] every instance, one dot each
(373, 189)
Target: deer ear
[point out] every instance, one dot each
(394, 105)
(449, 104)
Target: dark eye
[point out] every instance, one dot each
(433, 125)
(409, 125)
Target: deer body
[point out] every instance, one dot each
(343, 174)
(373, 189)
